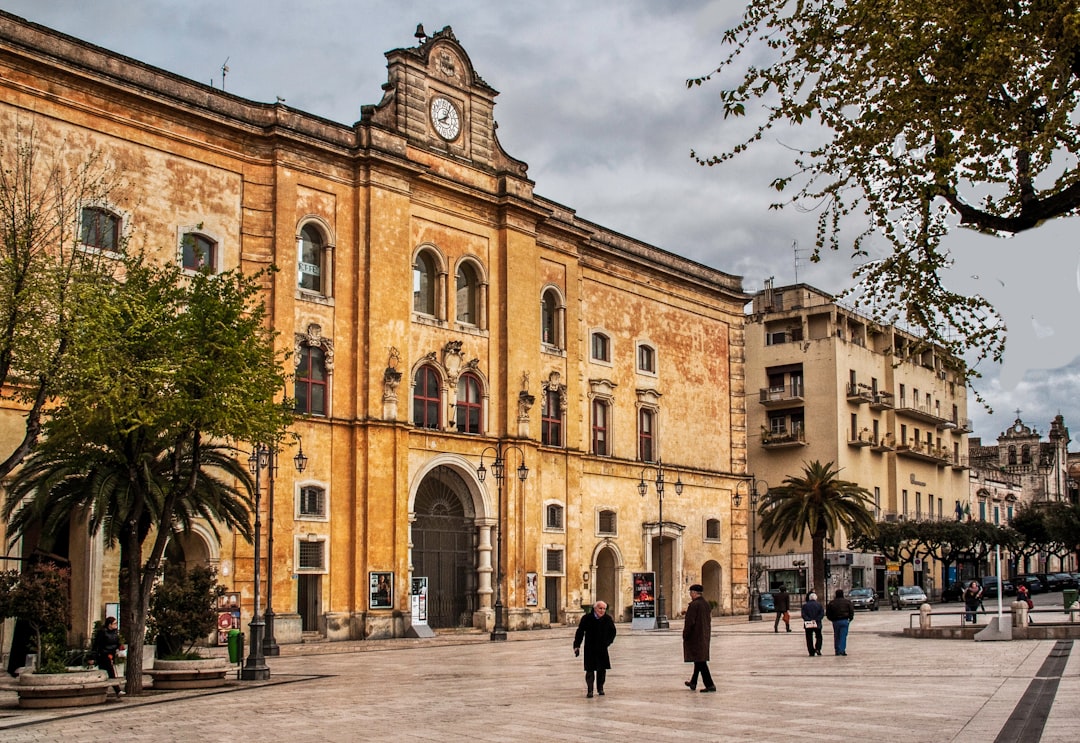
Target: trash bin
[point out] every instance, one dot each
(1069, 597)
(236, 645)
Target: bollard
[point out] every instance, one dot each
(1020, 614)
(924, 616)
(1074, 612)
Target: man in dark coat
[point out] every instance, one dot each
(105, 646)
(696, 636)
(597, 630)
(840, 612)
(782, 606)
(813, 614)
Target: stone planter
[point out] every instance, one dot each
(74, 689)
(203, 673)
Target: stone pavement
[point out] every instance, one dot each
(461, 687)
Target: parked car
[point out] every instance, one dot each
(765, 603)
(954, 591)
(863, 598)
(1050, 581)
(990, 587)
(909, 596)
(1065, 580)
(1030, 581)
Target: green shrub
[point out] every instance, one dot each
(183, 610)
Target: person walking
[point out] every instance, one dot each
(597, 630)
(105, 646)
(696, 636)
(972, 601)
(813, 614)
(782, 606)
(840, 612)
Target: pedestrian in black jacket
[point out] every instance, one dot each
(105, 646)
(840, 612)
(597, 630)
(813, 614)
(782, 606)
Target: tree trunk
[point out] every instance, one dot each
(818, 549)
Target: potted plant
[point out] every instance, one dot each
(39, 596)
(183, 612)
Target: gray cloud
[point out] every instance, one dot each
(593, 98)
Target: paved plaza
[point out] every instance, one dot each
(462, 687)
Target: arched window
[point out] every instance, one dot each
(601, 347)
(1025, 454)
(199, 252)
(426, 398)
(646, 358)
(310, 269)
(552, 318)
(425, 277)
(466, 305)
(470, 406)
(310, 381)
(99, 228)
(1012, 455)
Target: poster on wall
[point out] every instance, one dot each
(228, 613)
(644, 596)
(381, 589)
(532, 595)
(419, 600)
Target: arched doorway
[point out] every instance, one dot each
(443, 548)
(712, 582)
(607, 589)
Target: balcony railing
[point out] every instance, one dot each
(774, 396)
(882, 401)
(917, 450)
(922, 413)
(861, 438)
(859, 393)
(777, 440)
(883, 443)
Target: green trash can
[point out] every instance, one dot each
(1069, 597)
(236, 645)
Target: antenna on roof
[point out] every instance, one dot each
(795, 250)
(224, 71)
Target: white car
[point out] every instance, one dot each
(909, 596)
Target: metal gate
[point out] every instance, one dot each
(442, 536)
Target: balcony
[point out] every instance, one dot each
(963, 425)
(922, 413)
(859, 393)
(778, 397)
(881, 401)
(960, 464)
(883, 444)
(861, 438)
(917, 450)
(783, 439)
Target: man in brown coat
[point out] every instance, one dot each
(696, 635)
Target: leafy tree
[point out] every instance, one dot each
(41, 269)
(39, 596)
(183, 610)
(165, 366)
(820, 503)
(929, 113)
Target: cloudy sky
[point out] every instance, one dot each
(593, 98)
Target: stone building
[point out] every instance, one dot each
(444, 318)
(889, 411)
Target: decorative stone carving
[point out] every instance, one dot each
(314, 339)
(391, 376)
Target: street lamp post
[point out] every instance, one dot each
(498, 469)
(262, 457)
(270, 646)
(752, 483)
(643, 489)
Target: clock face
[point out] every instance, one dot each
(445, 118)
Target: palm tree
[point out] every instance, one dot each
(125, 485)
(818, 502)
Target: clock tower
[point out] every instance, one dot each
(434, 98)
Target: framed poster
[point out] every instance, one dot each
(381, 590)
(419, 600)
(644, 596)
(532, 596)
(228, 613)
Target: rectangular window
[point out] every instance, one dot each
(903, 504)
(712, 530)
(554, 516)
(646, 359)
(877, 503)
(600, 428)
(312, 502)
(646, 440)
(607, 523)
(310, 382)
(601, 347)
(309, 556)
(551, 419)
(553, 562)
(854, 426)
